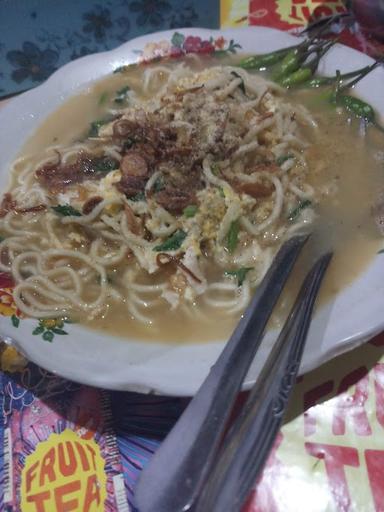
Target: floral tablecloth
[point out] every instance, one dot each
(64, 446)
(49, 34)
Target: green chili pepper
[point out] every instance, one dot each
(297, 77)
(358, 107)
(319, 81)
(355, 105)
(289, 64)
(303, 74)
(265, 60)
(360, 76)
(295, 58)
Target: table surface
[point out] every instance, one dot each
(49, 34)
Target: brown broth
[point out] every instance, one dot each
(344, 222)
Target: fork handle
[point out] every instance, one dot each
(177, 470)
(248, 443)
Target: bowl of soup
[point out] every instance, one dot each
(144, 200)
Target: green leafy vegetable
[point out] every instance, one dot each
(242, 85)
(140, 196)
(215, 168)
(173, 243)
(2, 238)
(128, 143)
(283, 158)
(122, 95)
(96, 125)
(232, 237)
(221, 192)
(105, 164)
(66, 210)
(158, 185)
(294, 214)
(103, 98)
(190, 210)
(239, 273)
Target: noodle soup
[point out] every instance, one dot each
(157, 216)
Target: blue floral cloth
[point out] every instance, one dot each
(39, 36)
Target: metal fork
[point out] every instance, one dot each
(174, 479)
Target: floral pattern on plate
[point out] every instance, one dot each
(47, 327)
(180, 45)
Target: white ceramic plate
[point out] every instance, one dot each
(350, 319)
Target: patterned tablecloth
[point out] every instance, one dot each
(69, 447)
(49, 34)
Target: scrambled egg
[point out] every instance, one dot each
(107, 190)
(197, 78)
(106, 186)
(211, 212)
